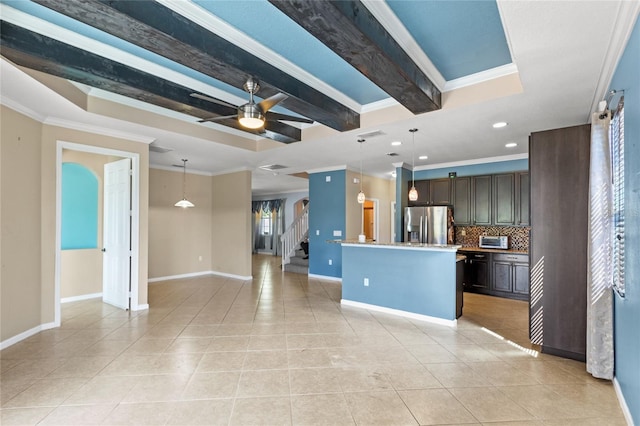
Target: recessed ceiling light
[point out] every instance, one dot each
(423, 157)
(500, 124)
(396, 143)
(511, 145)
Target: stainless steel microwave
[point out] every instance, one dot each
(494, 241)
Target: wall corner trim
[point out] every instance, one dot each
(81, 297)
(325, 277)
(199, 274)
(144, 307)
(397, 312)
(623, 403)
(26, 334)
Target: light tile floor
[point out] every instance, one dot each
(280, 349)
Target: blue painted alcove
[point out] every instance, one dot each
(79, 207)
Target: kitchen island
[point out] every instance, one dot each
(407, 279)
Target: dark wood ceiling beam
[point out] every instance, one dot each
(158, 29)
(351, 31)
(50, 56)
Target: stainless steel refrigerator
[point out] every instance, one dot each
(428, 225)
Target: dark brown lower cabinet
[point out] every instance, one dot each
(510, 275)
(559, 173)
(476, 272)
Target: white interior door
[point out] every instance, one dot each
(116, 259)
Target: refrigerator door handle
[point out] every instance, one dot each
(421, 236)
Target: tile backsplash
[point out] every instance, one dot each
(518, 235)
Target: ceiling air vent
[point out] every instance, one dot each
(272, 167)
(370, 134)
(159, 149)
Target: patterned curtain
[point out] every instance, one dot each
(276, 210)
(600, 358)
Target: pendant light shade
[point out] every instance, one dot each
(184, 203)
(413, 192)
(361, 196)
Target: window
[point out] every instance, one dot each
(616, 130)
(265, 223)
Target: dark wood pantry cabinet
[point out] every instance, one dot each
(559, 172)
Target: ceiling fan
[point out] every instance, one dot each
(253, 115)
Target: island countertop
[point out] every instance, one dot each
(399, 246)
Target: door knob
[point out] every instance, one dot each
(104, 249)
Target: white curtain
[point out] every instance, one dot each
(600, 358)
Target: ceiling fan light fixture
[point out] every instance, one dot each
(250, 116)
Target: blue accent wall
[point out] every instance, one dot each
(627, 310)
(417, 281)
(327, 213)
(79, 207)
(475, 169)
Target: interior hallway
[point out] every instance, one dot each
(282, 350)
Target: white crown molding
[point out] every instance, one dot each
(260, 197)
(378, 105)
(89, 128)
(18, 107)
(401, 165)
(481, 77)
(328, 169)
(207, 20)
(628, 13)
(474, 162)
(383, 13)
(179, 170)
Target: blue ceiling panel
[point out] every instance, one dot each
(98, 35)
(460, 37)
(264, 23)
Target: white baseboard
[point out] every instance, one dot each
(26, 334)
(325, 277)
(405, 314)
(81, 297)
(140, 307)
(198, 274)
(622, 402)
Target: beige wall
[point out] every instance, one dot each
(179, 239)
(231, 224)
(374, 188)
(20, 279)
(50, 136)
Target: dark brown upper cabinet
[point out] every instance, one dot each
(434, 192)
(462, 200)
(481, 200)
(504, 204)
(523, 190)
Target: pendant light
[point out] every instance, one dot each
(413, 192)
(184, 203)
(361, 197)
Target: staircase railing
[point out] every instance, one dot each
(294, 235)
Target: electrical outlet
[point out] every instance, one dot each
(463, 232)
(330, 262)
(199, 258)
(366, 282)
(317, 232)
(327, 178)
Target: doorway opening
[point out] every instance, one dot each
(370, 219)
(133, 232)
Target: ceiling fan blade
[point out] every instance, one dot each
(272, 101)
(214, 100)
(204, 120)
(275, 116)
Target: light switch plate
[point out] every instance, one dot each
(317, 232)
(327, 178)
(337, 233)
